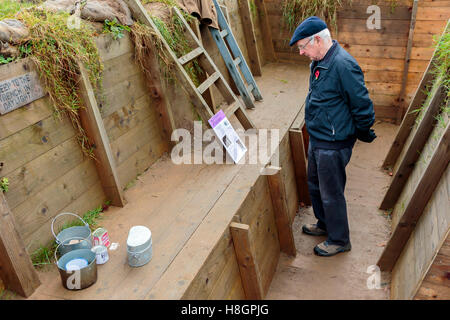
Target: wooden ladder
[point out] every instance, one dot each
(234, 106)
(223, 37)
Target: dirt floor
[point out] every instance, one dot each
(343, 276)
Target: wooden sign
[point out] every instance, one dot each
(19, 91)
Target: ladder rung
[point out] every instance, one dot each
(231, 109)
(223, 33)
(250, 88)
(237, 61)
(191, 55)
(208, 82)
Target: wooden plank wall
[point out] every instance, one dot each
(130, 120)
(219, 276)
(431, 229)
(436, 284)
(47, 170)
(381, 52)
(423, 244)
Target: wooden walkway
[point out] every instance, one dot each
(173, 201)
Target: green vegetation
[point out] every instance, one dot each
(253, 9)
(442, 64)
(393, 4)
(173, 33)
(115, 29)
(132, 182)
(57, 51)
(4, 184)
(44, 255)
(441, 73)
(4, 60)
(295, 11)
(8, 8)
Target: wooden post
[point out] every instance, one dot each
(250, 39)
(92, 123)
(418, 141)
(162, 105)
(280, 207)
(419, 199)
(269, 51)
(401, 97)
(305, 140)
(246, 261)
(300, 165)
(16, 269)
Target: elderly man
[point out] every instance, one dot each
(338, 111)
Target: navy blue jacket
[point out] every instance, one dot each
(338, 102)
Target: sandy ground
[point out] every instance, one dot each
(343, 276)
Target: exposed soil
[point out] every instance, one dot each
(344, 276)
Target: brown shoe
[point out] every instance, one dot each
(313, 230)
(326, 249)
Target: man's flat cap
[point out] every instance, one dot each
(307, 28)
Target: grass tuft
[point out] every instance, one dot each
(56, 50)
(9, 8)
(295, 11)
(173, 33)
(4, 184)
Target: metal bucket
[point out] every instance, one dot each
(81, 278)
(139, 246)
(77, 232)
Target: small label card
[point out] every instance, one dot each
(228, 136)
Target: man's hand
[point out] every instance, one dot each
(366, 136)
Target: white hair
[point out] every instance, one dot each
(324, 34)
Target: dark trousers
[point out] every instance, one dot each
(326, 183)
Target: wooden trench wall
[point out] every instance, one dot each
(258, 213)
(417, 253)
(430, 236)
(47, 170)
(234, 253)
(380, 52)
(426, 253)
(41, 157)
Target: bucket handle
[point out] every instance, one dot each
(73, 214)
(57, 247)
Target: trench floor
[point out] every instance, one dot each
(343, 276)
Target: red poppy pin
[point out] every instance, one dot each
(317, 74)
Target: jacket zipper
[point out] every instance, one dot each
(331, 123)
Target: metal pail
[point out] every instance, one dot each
(77, 232)
(82, 277)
